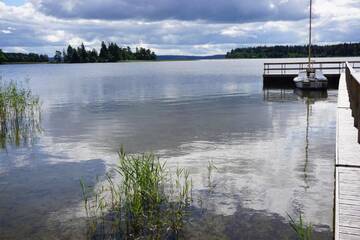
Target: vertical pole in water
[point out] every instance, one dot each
(309, 64)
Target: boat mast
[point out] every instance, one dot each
(309, 64)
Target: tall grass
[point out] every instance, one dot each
(19, 114)
(211, 167)
(139, 199)
(303, 230)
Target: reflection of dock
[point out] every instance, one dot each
(347, 186)
(289, 95)
(279, 95)
(282, 74)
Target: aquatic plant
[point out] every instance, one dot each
(19, 114)
(211, 167)
(303, 230)
(138, 199)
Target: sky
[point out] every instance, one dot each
(180, 27)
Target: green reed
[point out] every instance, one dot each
(303, 230)
(139, 199)
(19, 114)
(211, 167)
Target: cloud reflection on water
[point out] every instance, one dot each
(188, 114)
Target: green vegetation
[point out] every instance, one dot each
(140, 200)
(108, 53)
(211, 167)
(2, 57)
(22, 57)
(303, 231)
(19, 114)
(338, 50)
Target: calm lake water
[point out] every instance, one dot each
(274, 150)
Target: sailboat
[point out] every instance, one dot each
(311, 78)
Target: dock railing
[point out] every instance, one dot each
(295, 67)
(353, 87)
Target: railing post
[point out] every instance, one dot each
(358, 111)
(348, 82)
(353, 87)
(356, 89)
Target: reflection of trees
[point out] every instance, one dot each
(19, 114)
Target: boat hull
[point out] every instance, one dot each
(312, 84)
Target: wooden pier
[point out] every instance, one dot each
(347, 168)
(281, 74)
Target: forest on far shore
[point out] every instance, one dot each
(110, 52)
(22, 57)
(337, 50)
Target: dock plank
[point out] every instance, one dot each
(347, 219)
(343, 99)
(345, 236)
(349, 230)
(347, 148)
(347, 182)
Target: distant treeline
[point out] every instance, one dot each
(110, 52)
(338, 50)
(188, 57)
(22, 57)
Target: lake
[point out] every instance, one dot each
(273, 150)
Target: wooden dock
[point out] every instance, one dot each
(347, 168)
(281, 74)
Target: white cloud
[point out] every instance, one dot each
(16, 49)
(27, 28)
(234, 31)
(57, 36)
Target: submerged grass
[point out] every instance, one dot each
(139, 200)
(19, 114)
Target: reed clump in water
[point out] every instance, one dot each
(141, 200)
(303, 230)
(19, 114)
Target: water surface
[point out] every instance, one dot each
(274, 149)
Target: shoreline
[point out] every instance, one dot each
(171, 60)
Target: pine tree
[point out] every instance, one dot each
(104, 53)
(65, 56)
(75, 57)
(58, 57)
(113, 52)
(93, 55)
(3, 57)
(70, 52)
(82, 53)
